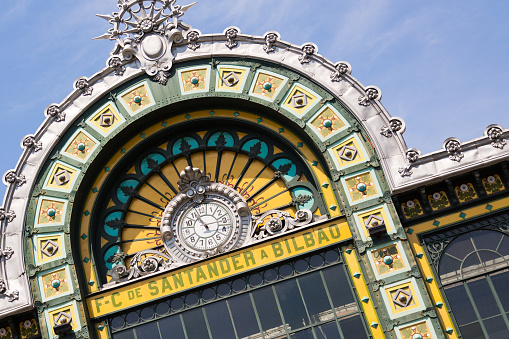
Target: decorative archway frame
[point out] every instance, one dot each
(332, 82)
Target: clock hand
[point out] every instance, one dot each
(201, 220)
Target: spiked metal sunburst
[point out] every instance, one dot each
(138, 17)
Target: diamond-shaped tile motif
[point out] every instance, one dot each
(62, 318)
(347, 153)
(436, 223)
(402, 297)
(462, 215)
(49, 248)
(61, 177)
(357, 275)
(489, 207)
(106, 119)
(230, 79)
(300, 100)
(365, 299)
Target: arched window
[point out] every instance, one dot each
(474, 275)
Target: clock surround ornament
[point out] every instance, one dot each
(205, 219)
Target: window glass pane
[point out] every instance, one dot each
(492, 260)
(338, 286)
(243, 315)
(327, 331)
(353, 328)
(500, 282)
(496, 328)
(128, 334)
(472, 331)
(306, 334)
(460, 304)
(219, 320)
(486, 239)
(483, 298)
(172, 325)
(289, 298)
(471, 266)
(268, 312)
(148, 330)
(503, 248)
(195, 324)
(449, 267)
(460, 247)
(315, 297)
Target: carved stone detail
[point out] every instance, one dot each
(82, 85)
(231, 34)
(452, 146)
(54, 112)
(308, 50)
(372, 93)
(270, 39)
(494, 132)
(340, 69)
(116, 63)
(29, 142)
(412, 155)
(192, 37)
(4, 292)
(12, 178)
(7, 215)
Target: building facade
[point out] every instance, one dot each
(234, 186)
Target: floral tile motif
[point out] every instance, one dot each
(465, 192)
(388, 259)
(28, 329)
(418, 330)
(361, 186)
(327, 122)
(6, 333)
(493, 184)
(193, 80)
(61, 177)
(231, 79)
(50, 211)
(438, 201)
(136, 99)
(412, 208)
(106, 119)
(55, 283)
(267, 85)
(300, 100)
(80, 146)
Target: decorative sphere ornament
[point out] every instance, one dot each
(267, 85)
(55, 283)
(81, 146)
(52, 212)
(361, 187)
(327, 123)
(195, 80)
(137, 99)
(388, 260)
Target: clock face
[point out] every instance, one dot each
(207, 225)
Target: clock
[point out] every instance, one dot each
(204, 219)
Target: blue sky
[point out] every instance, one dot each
(441, 65)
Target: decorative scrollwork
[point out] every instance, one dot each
(12, 178)
(6, 253)
(494, 132)
(340, 69)
(7, 215)
(308, 50)
(452, 146)
(193, 36)
(116, 63)
(396, 125)
(412, 155)
(30, 142)
(275, 222)
(143, 263)
(82, 85)
(231, 34)
(372, 93)
(12, 295)
(54, 112)
(270, 39)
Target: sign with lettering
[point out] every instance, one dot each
(246, 259)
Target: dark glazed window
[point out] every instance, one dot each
(472, 269)
(275, 303)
